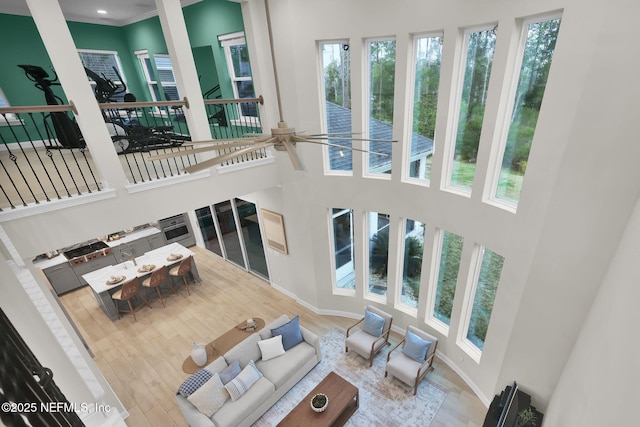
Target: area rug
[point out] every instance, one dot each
(383, 401)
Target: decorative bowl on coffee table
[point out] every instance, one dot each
(319, 402)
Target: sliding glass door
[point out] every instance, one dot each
(231, 229)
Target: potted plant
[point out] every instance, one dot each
(526, 418)
(319, 402)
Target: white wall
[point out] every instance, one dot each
(581, 183)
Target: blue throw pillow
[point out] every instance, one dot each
(230, 372)
(373, 323)
(291, 334)
(194, 382)
(415, 347)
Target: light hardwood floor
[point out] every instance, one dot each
(143, 360)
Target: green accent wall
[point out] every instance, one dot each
(205, 21)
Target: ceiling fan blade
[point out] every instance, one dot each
(293, 155)
(223, 158)
(230, 141)
(200, 150)
(346, 148)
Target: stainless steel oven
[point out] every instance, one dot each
(177, 229)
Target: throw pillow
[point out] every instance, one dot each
(210, 396)
(373, 323)
(415, 347)
(271, 348)
(194, 382)
(230, 372)
(245, 379)
(291, 334)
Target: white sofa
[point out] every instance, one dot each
(279, 375)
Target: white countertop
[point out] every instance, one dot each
(158, 257)
(51, 262)
(134, 235)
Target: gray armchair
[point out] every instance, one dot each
(371, 335)
(408, 365)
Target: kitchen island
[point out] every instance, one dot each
(99, 279)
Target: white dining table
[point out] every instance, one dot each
(101, 281)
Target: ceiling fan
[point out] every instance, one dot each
(282, 138)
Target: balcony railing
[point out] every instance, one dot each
(43, 154)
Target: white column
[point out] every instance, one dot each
(177, 40)
(58, 42)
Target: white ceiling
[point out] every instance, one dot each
(119, 12)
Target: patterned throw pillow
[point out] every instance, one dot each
(194, 382)
(290, 331)
(373, 324)
(210, 396)
(415, 347)
(245, 379)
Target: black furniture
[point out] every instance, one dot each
(505, 407)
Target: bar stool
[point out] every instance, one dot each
(181, 270)
(129, 290)
(156, 279)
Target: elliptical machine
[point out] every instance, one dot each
(65, 129)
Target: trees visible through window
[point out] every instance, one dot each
(448, 268)
(539, 45)
(486, 286)
(336, 66)
(428, 55)
(473, 96)
(382, 68)
(412, 262)
(342, 220)
(378, 233)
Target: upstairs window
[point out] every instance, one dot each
(159, 76)
(380, 96)
(479, 47)
(536, 52)
(336, 69)
(7, 118)
(427, 56)
(237, 56)
(105, 64)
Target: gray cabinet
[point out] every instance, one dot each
(156, 241)
(62, 278)
(92, 265)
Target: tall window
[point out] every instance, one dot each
(381, 78)
(539, 42)
(428, 55)
(336, 68)
(488, 270)
(159, 76)
(7, 118)
(447, 267)
(237, 56)
(480, 47)
(412, 263)
(342, 220)
(378, 232)
(105, 64)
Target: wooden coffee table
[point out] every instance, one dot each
(222, 344)
(343, 402)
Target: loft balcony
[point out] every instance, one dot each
(44, 156)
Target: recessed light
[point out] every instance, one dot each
(102, 11)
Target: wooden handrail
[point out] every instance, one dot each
(39, 109)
